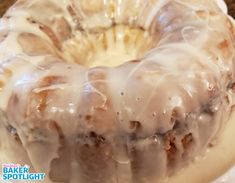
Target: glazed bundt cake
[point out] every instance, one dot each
(113, 91)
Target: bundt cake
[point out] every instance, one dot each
(108, 91)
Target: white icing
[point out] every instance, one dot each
(222, 5)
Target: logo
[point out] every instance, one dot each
(18, 172)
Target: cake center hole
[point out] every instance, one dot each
(110, 48)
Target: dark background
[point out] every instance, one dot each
(231, 7)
